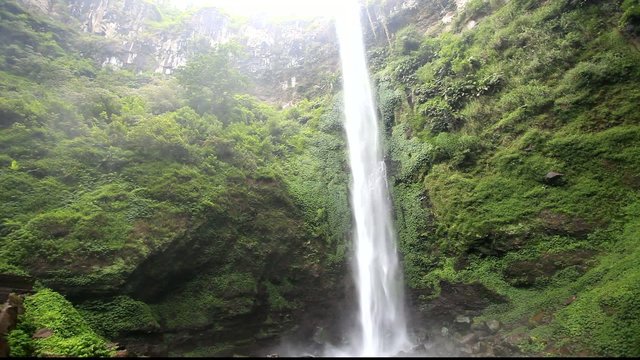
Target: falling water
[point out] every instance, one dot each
(383, 330)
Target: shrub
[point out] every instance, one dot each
(118, 316)
(20, 343)
(71, 335)
(630, 20)
(440, 117)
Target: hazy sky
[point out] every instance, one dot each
(289, 8)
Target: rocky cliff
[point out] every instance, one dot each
(285, 59)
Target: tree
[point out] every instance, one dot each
(210, 80)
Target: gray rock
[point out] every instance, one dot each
(320, 335)
(444, 331)
(479, 347)
(466, 350)
(493, 326)
(468, 339)
(553, 178)
(478, 326)
(449, 347)
(42, 333)
(463, 319)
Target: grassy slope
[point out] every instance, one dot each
(482, 115)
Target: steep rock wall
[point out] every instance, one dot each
(286, 60)
(283, 59)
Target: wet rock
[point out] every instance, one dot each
(456, 299)
(461, 324)
(514, 340)
(479, 347)
(418, 348)
(320, 336)
(420, 335)
(478, 326)
(468, 339)
(493, 326)
(449, 347)
(444, 331)
(503, 349)
(466, 350)
(488, 352)
(42, 333)
(427, 346)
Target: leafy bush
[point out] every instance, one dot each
(71, 335)
(457, 150)
(605, 69)
(388, 101)
(118, 316)
(630, 20)
(440, 116)
(406, 41)
(20, 343)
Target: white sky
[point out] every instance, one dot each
(279, 8)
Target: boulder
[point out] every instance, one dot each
(479, 347)
(42, 333)
(122, 353)
(444, 331)
(493, 325)
(320, 335)
(468, 339)
(553, 178)
(8, 318)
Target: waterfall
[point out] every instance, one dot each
(382, 328)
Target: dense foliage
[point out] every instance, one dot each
(63, 332)
(162, 202)
(488, 111)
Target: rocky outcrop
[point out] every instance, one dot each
(8, 320)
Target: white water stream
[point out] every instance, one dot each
(383, 329)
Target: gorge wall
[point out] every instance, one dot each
(286, 59)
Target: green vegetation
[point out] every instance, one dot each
(69, 334)
(122, 313)
(533, 88)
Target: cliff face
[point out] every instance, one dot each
(282, 59)
(285, 60)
